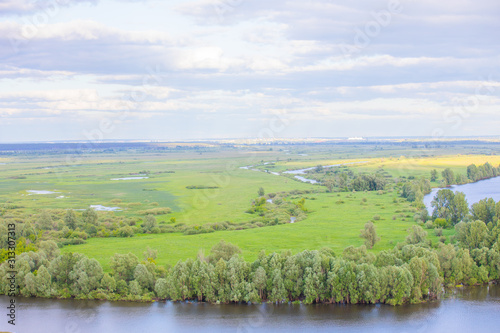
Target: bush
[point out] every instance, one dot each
(429, 225)
(125, 231)
(376, 217)
(440, 222)
(156, 211)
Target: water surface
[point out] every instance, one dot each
(475, 309)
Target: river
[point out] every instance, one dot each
(474, 309)
(488, 188)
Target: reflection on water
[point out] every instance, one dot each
(468, 309)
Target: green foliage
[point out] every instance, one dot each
(372, 182)
(485, 210)
(370, 235)
(149, 223)
(261, 192)
(415, 190)
(441, 222)
(472, 235)
(448, 176)
(123, 266)
(44, 220)
(223, 250)
(416, 235)
(450, 206)
(70, 219)
(86, 276)
(434, 175)
(90, 216)
(484, 171)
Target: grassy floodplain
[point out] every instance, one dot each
(333, 219)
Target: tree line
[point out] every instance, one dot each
(413, 271)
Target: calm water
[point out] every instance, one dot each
(475, 309)
(489, 188)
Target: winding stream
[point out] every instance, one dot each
(300, 172)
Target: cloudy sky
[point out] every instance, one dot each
(191, 69)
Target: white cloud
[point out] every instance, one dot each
(23, 7)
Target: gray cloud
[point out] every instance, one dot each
(26, 7)
(240, 63)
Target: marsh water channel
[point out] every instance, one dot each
(472, 309)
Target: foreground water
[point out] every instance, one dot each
(475, 309)
(489, 188)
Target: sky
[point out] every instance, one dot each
(205, 69)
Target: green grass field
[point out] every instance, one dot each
(329, 223)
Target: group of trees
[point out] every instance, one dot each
(277, 208)
(474, 174)
(414, 190)
(370, 182)
(453, 208)
(411, 272)
(344, 180)
(485, 171)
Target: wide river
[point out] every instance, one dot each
(488, 188)
(474, 309)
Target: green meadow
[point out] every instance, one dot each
(210, 186)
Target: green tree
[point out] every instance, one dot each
(90, 216)
(330, 184)
(135, 288)
(261, 192)
(313, 283)
(29, 285)
(416, 235)
(292, 277)
(87, 274)
(44, 220)
(223, 250)
(472, 172)
(472, 235)
(278, 293)
(70, 219)
(61, 267)
(460, 208)
(43, 282)
(369, 234)
(260, 280)
(161, 288)
(123, 266)
(149, 223)
(108, 283)
(237, 271)
(434, 175)
(484, 210)
(448, 176)
(180, 281)
(450, 206)
(144, 277)
(200, 279)
(50, 249)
